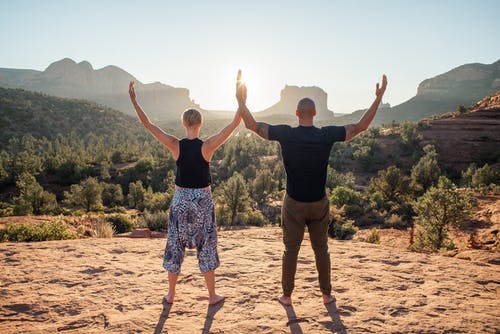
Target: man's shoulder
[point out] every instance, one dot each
(278, 132)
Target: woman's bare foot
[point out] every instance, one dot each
(327, 299)
(169, 298)
(284, 300)
(215, 299)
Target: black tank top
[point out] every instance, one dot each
(193, 171)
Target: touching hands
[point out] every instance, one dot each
(379, 91)
(241, 90)
(131, 91)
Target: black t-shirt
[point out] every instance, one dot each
(305, 151)
(193, 171)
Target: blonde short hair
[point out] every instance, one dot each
(191, 117)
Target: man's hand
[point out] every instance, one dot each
(131, 91)
(379, 91)
(241, 90)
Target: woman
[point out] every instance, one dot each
(192, 220)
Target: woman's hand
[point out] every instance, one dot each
(241, 90)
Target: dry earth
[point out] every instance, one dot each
(116, 286)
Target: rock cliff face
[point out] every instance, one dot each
(470, 77)
(108, 85)
(463, 85)
(473, 136)
(290, 96)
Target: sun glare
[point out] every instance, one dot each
(252, 79)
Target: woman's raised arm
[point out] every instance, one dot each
(171, 142)
(213, 142)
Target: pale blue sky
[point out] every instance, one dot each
(340, 46)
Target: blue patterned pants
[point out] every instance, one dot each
(191, 224)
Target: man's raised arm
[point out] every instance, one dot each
(260, 128)
(352, 130)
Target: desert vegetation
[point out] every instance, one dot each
(386, 178)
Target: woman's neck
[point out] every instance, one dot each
(192, 133)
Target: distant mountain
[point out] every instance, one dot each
(28, 113)
(462, 86)
(290, 96)
(108, 86)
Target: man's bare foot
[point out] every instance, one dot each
(216, 299)
(284, 300)
(169, 298)
(327, 299)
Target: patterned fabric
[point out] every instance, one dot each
(191, 224)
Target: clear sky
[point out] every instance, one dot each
(341, 46)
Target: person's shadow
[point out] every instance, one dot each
(336, 326)
(293, 321)
(212, 309)
(163, 317)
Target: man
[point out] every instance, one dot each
(305, 150)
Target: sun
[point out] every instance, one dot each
(252, 80)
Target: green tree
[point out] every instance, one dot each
(263, 185)
(336, 179)
(136, 195)
(391, 191)
(347, 199)
(425, 173)
(33, 199)
(86, 195)
(233, 195)
(112, 194)
(409, 137)
(438, 209)
(367, 152)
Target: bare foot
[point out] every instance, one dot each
(284, 300)
(169, 298)
(327, 299)
(215, 299)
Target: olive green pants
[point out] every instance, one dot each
(295, 216)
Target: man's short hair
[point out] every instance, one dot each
(191, 117)
(306, 106)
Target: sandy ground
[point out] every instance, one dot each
(116, 285)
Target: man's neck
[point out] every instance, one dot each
(306, 122)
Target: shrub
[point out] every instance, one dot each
(336, 179)
(155, 221)
(342, 230)
(52, 230)
(6, 210)
(103, 229)
(121, 223)
(436, 210)
(112, 194)
(255, 218)
(348, 199)
(367, 152)
(391, 191)
(425, 173)
(409, 137)
(373, 237)
(159, 201)
(395, 221)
